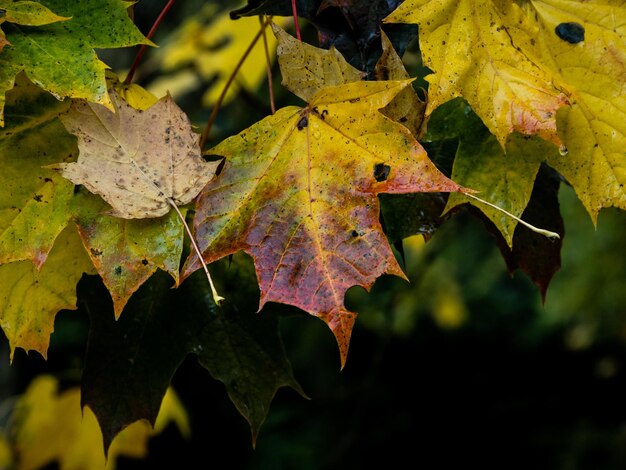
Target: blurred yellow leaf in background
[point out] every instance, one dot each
(48, 426)
(212, 44)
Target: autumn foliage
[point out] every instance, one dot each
(100, 176)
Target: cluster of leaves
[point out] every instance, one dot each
(528, 94)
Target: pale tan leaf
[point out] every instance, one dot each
(138, 161)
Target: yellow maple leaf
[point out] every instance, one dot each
(584, 46)
(515, 63)
(298, 193)
(31, 297)
(474, 49)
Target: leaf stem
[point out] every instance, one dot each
(218, 104)
(268, 62)
(294, 9)
(216, 297)
(142, 49)
(546, 233)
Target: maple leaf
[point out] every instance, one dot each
(127, 252)
(234, 344)
(49, 426)
(140, 162)
(591, 64)
(307, 69)
(298, 193)
(60, 57)
(30, 298)
(478, 50)
(536, 255)
(25, 13)
(504, 178)
(35, 203)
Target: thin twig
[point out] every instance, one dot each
(294, 9)
(268, 62)
(218, 104)
(142, 49)
(216, 297)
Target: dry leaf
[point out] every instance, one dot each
(138, 161)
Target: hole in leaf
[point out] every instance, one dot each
(381, 172)
(303, 122)
(570, 32)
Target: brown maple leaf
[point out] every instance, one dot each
(140, 162)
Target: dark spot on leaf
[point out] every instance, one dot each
(324, 114)
(355, 100)
(47, 180)
(117, 270)
(570, 32)
(144, 262)
(354, 233)
(404, 119)
(95, 252)
(381, 172)
(303, 122)
(38, 197)
(220, 167)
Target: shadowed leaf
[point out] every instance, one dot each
(130, 363)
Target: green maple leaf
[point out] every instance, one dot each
(127, 252)
(235, 345)
(25, 13)
(504, 179)
(35, 203)
(60, 57)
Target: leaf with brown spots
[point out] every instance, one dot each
(298, 193)
(143, 163)
(482, 50)
(140, 162)
(127, 252)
